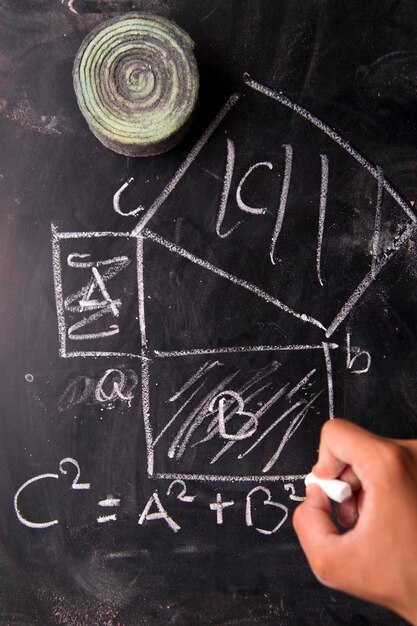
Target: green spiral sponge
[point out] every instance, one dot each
(136, 82)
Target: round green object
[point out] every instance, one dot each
(136, 81)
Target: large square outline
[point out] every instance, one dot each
(147, 413)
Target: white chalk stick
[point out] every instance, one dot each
(337, 490)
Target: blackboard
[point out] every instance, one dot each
(175, 330)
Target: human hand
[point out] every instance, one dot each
(376, 558)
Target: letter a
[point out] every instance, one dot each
(161, 514)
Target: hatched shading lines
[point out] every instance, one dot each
(264, 408)
(192, 421)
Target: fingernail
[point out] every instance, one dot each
(310, 489)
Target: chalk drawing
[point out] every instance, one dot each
(219, 506)
(237, 281)
(75, 483)
(70, 5)
(109, 502)
(216, 407)
(181, 496)
(250, 426)
(353, 354)
(186, 164)
(267, 502)
(302, 112)
(282, 201)
(324, 184)
(242, 205)
(41, 477)
(378, 217)
(230, 163)
(160, 514)
(23, 520)
(116, 201)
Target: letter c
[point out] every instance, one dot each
(20, 517)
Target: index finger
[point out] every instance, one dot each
(343, 444)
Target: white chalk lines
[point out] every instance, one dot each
(282, 200)
(148, 234)
(216, 414)
(70, 5)
(322, 211)
(372, 169)
(378, 260)
(236, 349)
(230, 163)
(233, 418)
(186, 164)
(84, 305)
(370, 277)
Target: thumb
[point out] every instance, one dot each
(317, 533)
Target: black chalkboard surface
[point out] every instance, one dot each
(175, 330)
